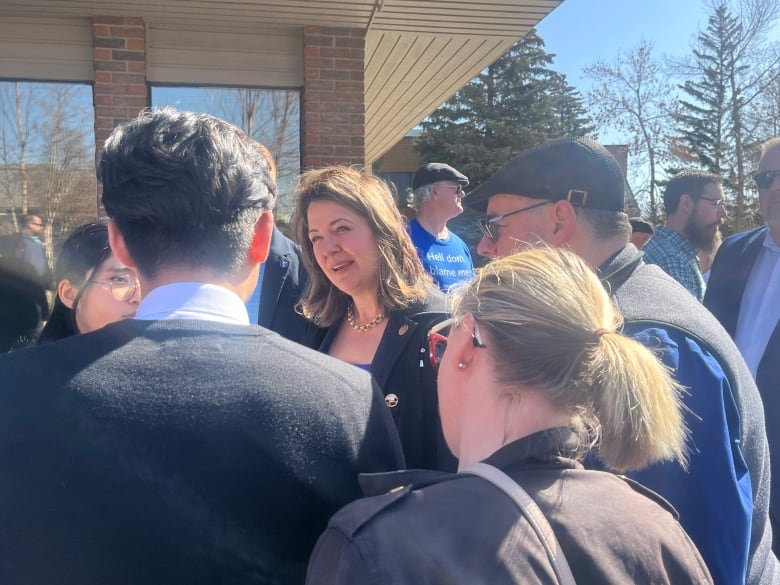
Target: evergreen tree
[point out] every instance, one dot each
(705, 118)
(732, 70)
(516, 103)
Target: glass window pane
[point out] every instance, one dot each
(47, 157)
(272, 117)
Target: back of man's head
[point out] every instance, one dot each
(691, 182)
(185, 191)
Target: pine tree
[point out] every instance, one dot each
(705, 118)
(516, 103)
(733, 68)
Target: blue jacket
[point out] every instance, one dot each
(723, 497)
(730, 273)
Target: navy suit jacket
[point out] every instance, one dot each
(730, 272)
(284, 281)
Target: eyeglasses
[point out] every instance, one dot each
(437, 340)
(715, 202)
(122, 287)
(765, 179)
(458, 188)
(484, 223)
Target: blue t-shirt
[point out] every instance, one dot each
(447, 261)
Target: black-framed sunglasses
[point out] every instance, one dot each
(437, 340)
(485, 223)
(122, 286)
(764, 179)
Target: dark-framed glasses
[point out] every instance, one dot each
(458, 188)
(437, 340)
(764, 179)
(486, 223)
(122, 286)
(716, 202)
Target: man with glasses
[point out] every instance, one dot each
(695, 208)
(570, 193)
(744, 294)
(438, 197)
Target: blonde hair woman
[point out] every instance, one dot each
(368, 288)
(532, 375)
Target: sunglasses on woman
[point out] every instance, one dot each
(437, 340)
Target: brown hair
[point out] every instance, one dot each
(402, 279)
(551, 326)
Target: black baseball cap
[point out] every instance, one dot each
(577, 169)
(435, 172)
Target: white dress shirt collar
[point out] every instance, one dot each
(193, 300)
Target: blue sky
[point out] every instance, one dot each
(580, 32)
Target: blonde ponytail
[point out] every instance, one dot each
(638, 405)
(552, 327)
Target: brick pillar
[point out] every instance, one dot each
(119, 59)
(334, 109)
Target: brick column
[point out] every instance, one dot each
(333, 97)
(119, 59)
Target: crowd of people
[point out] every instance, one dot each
(568, 412)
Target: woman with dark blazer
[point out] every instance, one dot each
(369, 290)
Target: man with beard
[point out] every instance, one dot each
(570, 193)
(695, 208)
(743, 291)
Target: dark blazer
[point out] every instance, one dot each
(728, 278)
(284, 281)
(155, 452)
(404, 373)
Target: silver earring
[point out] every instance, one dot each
(461, 366)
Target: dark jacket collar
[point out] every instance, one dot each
(402, 328)
(551, 447)
(619, 268)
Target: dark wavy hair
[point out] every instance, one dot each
(185, 190)
(85, 249)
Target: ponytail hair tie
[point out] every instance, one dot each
(598, 333)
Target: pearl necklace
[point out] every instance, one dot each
(363, 327)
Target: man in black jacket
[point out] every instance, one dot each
(155, 450)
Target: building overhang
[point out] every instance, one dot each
(418, 52)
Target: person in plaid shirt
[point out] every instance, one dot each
(695, 208)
